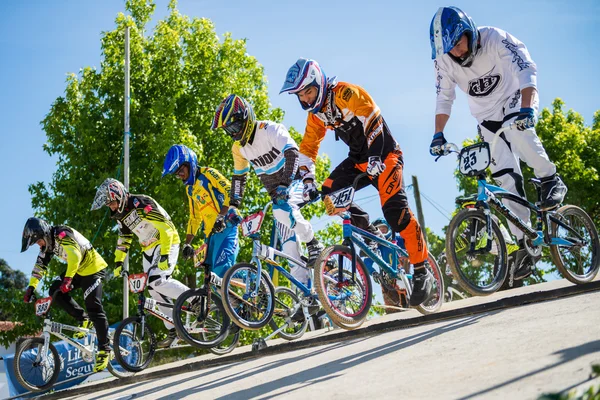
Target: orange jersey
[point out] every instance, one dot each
(351, 112)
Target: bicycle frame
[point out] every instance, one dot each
(355, 236)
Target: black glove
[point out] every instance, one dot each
(187, 251)
(219, 225)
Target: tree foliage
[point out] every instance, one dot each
(180, 72)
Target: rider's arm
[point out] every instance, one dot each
(445, 88)
(286, 144)
(123, 243)
(440, 122)
(309, 147)
(218, 187)
(513, 52)
(241, 166)
(40, 268)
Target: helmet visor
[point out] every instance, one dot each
(100, 200)
(235, 129)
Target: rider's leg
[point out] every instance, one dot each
(290, 217)
(160, 284)
(65, 301)
(506, 171)
(91, 286)
(396, 212)
(223, 250)
(342, 176)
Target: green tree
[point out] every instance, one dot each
(180, 72)
(12, 286)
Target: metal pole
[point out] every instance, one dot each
(126, 164)
(420, 216)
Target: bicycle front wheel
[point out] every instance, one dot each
(36, 371)
(578, 262)
(346, 301)
(478, 272)
(285, 302)
(229, 344)
(134, 345)
(197, 327)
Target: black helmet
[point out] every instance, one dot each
(34, 230)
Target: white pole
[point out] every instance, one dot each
(126, 164)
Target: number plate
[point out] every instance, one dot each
(201, 255)
(42, 306)
(339, 201)
(251, 224)
(474, 159)
(137, 282)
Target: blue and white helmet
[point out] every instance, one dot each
(447, 27)
(384, 227)
(178, 155)
(303, 74)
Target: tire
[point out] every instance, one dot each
(348, 304)
(191, 327)
(133, 346)
(579, 264)
(434, 303)
(285, 302)
(31, 376)
(247, 313)
(227, 345)
(480, 274)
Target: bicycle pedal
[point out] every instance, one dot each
(259, 344)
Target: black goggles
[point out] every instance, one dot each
(235, 128)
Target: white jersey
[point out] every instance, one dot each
(500, 69)
(266, 152)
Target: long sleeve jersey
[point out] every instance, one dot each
(206, 196)
(272, 153)
(355, 118)
(72, 247)
(501, 67)
(146, 219)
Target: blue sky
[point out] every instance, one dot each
(380, 45)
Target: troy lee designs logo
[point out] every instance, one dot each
(484, 85)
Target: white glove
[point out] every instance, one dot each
(309, 192)
(375, 166)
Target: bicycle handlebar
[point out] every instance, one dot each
(453, 148)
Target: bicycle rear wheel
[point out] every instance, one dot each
(244, 309)
(201, 331)
(479, 273)
(579, 262)
(434, 303)
(285, 303)
(35, 371)
(229, 344)
(347, 302)
(134, 345)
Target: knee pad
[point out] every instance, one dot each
(503, 176)
(398, 218)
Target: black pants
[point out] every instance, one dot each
(92, 295)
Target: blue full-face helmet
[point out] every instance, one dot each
(177, 156)
(447, 27)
